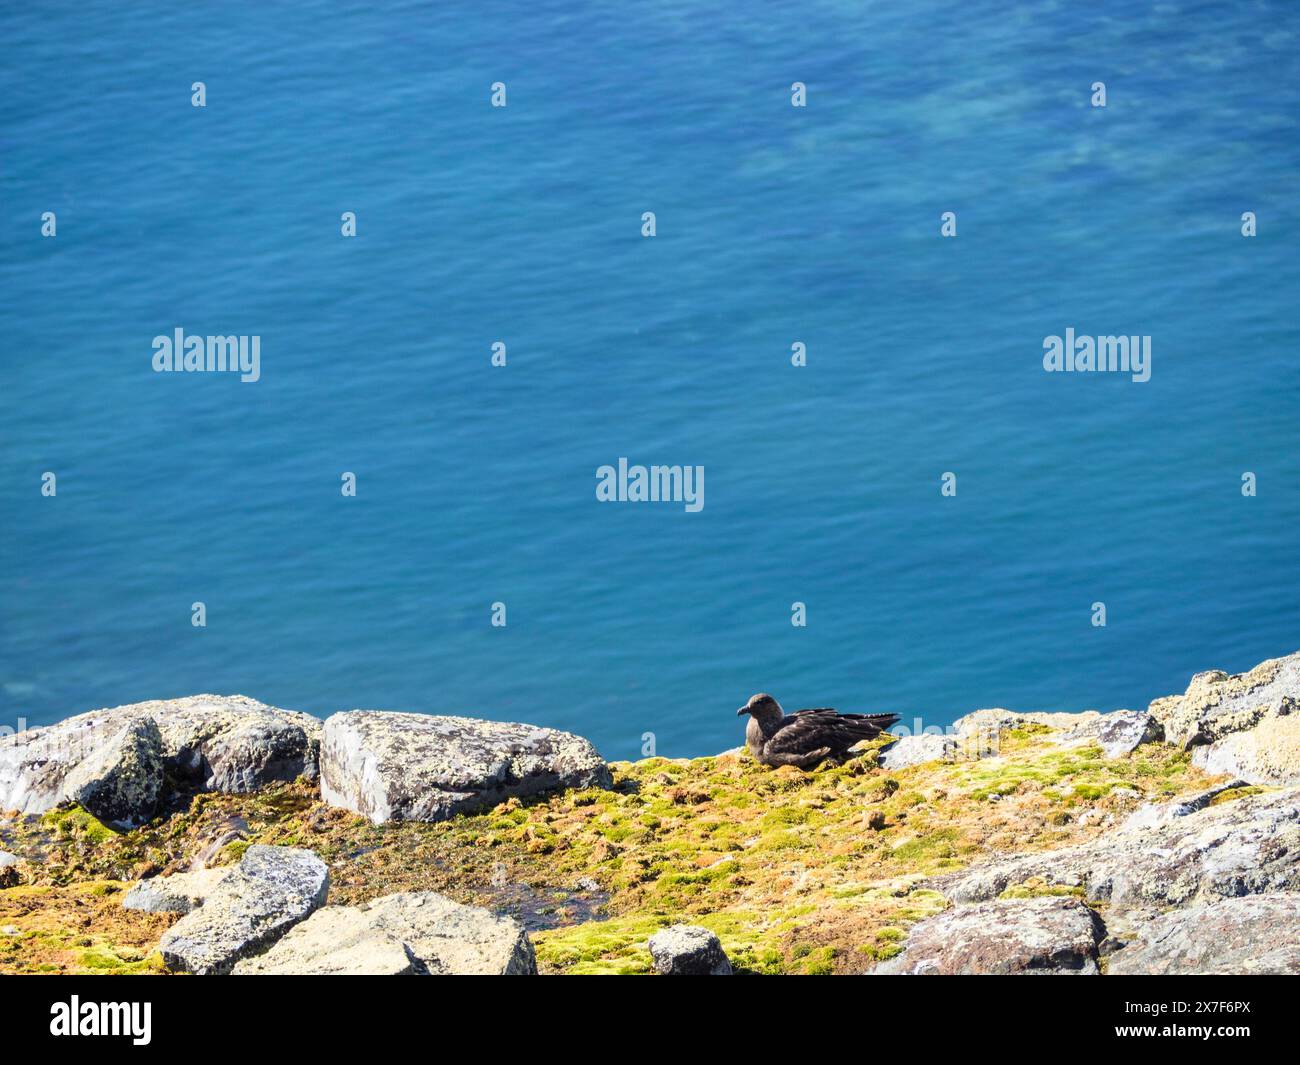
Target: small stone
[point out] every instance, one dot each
(688, 950)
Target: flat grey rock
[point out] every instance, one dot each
(688, 950)
(407, 934)
(916, 750)
(1243, 936)
(415, 767)
(1118, 732)
(217, 743)
(1246, 846)
(1151, 814)
(999, 719)
(1042, 936)
(267, 893)
(122, 781)
(179, 893)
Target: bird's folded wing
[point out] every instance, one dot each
(810, 730)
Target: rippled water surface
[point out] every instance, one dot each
(775, 225)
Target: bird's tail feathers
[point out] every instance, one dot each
(880, 721)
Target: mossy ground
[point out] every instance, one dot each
(80, 928)
(797, 872)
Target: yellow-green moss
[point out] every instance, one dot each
(1232, 794)
(1036, 887)
(74, 821)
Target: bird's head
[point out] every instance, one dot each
(761, 706)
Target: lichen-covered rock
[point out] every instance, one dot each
(688, 950)
(179, 893)
(122, 781)
(978, 733)
(1267, 754)
(999, 719)
(1049, 935)
(415, 767)
(411, 933)
(1217, 704)
(218, 743)
(236, 744)
(1250, 845)
(270, 891)
(1117, 733)
(1251, 934)
(915, 750)
(35, 763)
(1158, 813)
(1246, 724)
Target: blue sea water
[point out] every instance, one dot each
(775, 224)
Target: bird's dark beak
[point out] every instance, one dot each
(742, 711)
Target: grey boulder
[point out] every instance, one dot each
(407, 934)
(1247, 935)
(35, 763)
(1042, 936)
(1118, 733)
(978, 734)
(122, 781)
(414, 767)
(231, 743)
(213, 742)
(270, 891)
(688, 950)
